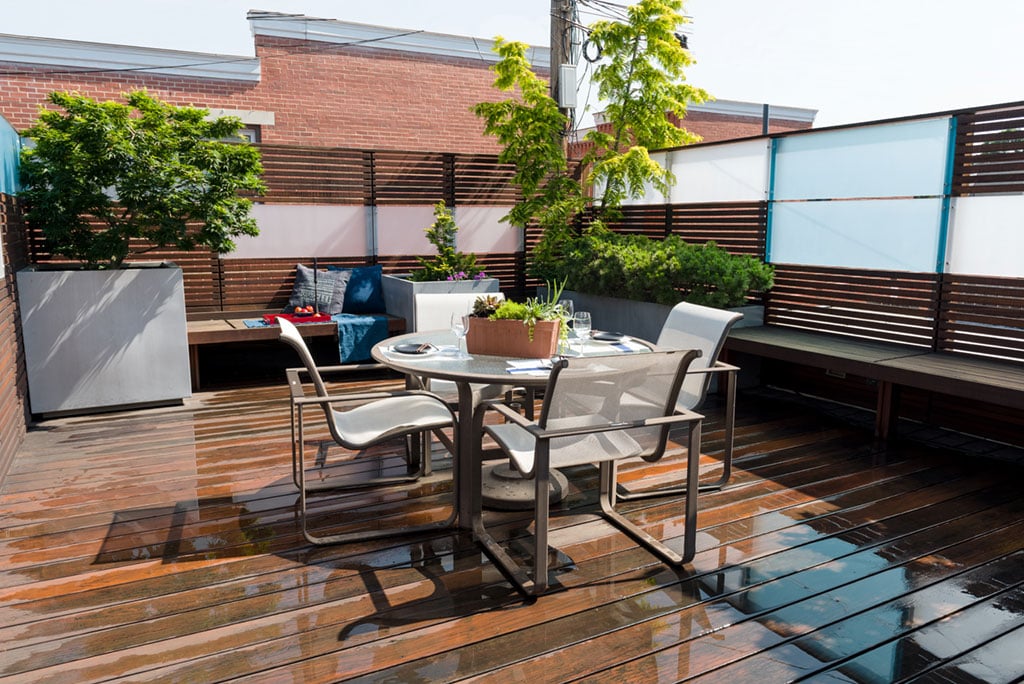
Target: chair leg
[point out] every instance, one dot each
(361, 534)
(624, 494)
(691, 489)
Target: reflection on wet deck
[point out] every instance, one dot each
(162, 545)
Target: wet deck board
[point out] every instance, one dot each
(161, 546)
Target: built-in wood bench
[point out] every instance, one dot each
(892, 366)
(221, 327)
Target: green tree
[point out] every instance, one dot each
(641, 80)
(144, 170)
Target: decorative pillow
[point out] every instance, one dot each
(364, 293)
(328, 296)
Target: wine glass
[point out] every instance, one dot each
(581, 326)
(567, 310)
(460, 326)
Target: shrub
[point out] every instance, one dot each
(664, 271)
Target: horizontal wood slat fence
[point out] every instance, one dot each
(989, 155)
(888, 306)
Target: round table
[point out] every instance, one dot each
(469, 373)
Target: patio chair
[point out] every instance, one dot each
(691, 326)
(371, 418)
(596, 409)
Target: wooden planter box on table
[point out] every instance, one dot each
(512, 338)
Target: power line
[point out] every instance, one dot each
(321, 47)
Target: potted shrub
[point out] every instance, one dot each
(530, 329)
(105, 181)
(448, 271)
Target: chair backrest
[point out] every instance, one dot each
(433, 311)
(290, 336)
(609, 389)
(691, 326)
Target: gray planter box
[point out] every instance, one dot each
(640, 319)
(400, 293)
(96, 340)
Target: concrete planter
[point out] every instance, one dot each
(98, 340)
(640, 319)
(400, 293)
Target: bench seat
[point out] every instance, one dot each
(221, 327)
(892, 366)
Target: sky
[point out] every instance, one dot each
(851, 61)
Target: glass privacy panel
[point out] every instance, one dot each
(904, 159)
(892, 235)
(482, 231)
(987, 236)
(735, 172)
(302, 231)
(9, 151)
(650, 196)
(401, 230)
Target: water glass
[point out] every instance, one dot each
(581, 326)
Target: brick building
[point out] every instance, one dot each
(316, 82)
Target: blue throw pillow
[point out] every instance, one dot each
(363, 293)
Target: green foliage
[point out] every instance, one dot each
(143, 170)
(530, 129)
(664, 271)
(531, 311)
(641, 80)
(447, 264)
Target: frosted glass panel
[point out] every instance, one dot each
(889, 160)
(987, 236)
(300, 231)
(401, 230)
(481, 231)
(896, 235)
(651, 196)
(734, 172)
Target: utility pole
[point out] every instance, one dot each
(560, 15)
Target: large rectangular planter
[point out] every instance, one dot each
(640, 319)
(511, 338)
(400, 293)
(98, 340)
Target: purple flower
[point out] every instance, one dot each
(480, 276)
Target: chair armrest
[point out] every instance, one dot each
(360, 396)
(506, 411)
(680, 417)
(348, 368)
(719, 367)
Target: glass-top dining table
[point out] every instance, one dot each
(439, 358)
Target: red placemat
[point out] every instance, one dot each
(271, 319)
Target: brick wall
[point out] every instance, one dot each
(351, 97)
(13, 382)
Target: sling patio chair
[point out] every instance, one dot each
(597, 409)
(370, 418)
(691, 326)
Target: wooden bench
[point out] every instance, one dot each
(221, 327)
(892, 366)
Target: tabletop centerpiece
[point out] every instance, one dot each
(529, 329)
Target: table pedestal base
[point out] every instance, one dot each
(504, 489)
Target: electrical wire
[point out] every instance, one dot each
(320, 48)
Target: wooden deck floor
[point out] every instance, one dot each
(161, 546)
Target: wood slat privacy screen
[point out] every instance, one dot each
(888, 306)
(982, 316)
(989, 155)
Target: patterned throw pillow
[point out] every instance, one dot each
(327, 289)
